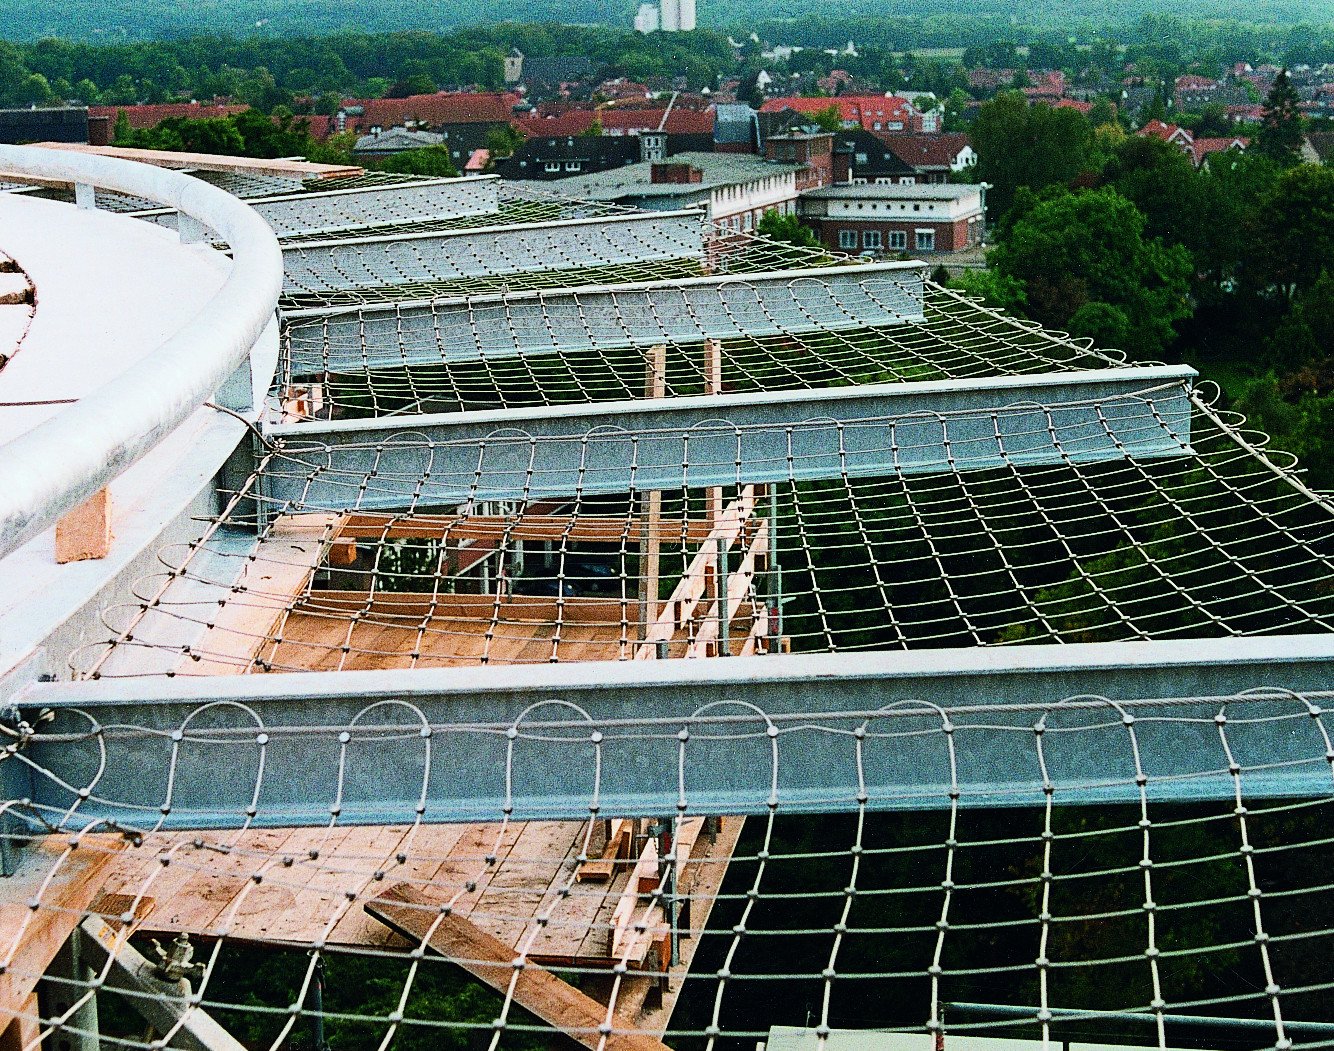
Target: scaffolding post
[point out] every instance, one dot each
(774, 577)
(655, 386)
(67, 982)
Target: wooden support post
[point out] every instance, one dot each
(655, 386)
(85, 532)
(713, 384)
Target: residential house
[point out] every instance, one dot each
(1045, 85)
(561, 156)
(395, 140)
(1198, 150)
(812, 152)
(933, 158)
(888, 113)
(883, 217)
(556, 76)
(1192, 92)
(990, 81)
(463, 119)
(861, 157)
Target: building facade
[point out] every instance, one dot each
(880, 218)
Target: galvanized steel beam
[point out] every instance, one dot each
(817, 733)
(300, 214)
(655, 444)
(683, 310)
(323, 267)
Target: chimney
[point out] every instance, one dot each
(674, 173)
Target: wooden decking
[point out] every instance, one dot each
(314, 887)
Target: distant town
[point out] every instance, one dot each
(1165, 194)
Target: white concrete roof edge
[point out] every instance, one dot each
(69, 457)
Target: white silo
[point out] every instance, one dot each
(686, 15)
(671, 16)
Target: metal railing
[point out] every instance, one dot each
(63, 461)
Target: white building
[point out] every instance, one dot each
(646, 19)
(668, 16)
(735, 189)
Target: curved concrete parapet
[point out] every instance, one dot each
(65, 459)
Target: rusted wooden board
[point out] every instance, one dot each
(576, 529)
(63, 881)
(207, 162)
(536, 989)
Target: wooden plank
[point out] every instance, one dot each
(207, 162)
(266, 587)
(426, 850)
(518, 888)
(30, 938)
(536, 989)
(694, 583)
(655, 386)
(575, 529)
(740, 587)
(20, 1031)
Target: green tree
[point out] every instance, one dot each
(1034, 146)
(502, 142)
(787, 228)
(828, 119)
(1102, 113)
(1280, 136)
(429, 160)
(1087, 267)
(1294, 231)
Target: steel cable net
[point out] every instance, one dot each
(1085, 522)
(699, 927)
(572, 346)
(528, 242)
(393, 872)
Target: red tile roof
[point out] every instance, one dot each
(1156, 129)
(1191, 82)
(1083, 107)
(621, 122)
(152, 116)
(459, 107)
(866, 110)
(1204, 147)
(927, 151)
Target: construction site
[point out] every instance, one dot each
(441, 577)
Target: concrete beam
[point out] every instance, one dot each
(297, 214)
(417, 462)
(812, 732)
(683, 310)
(324, 267)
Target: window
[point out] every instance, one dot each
(907, 180)
(871, 239)
(847, 239)
(552, 166)
(926, 240)
(898, 239)
(571, 166)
